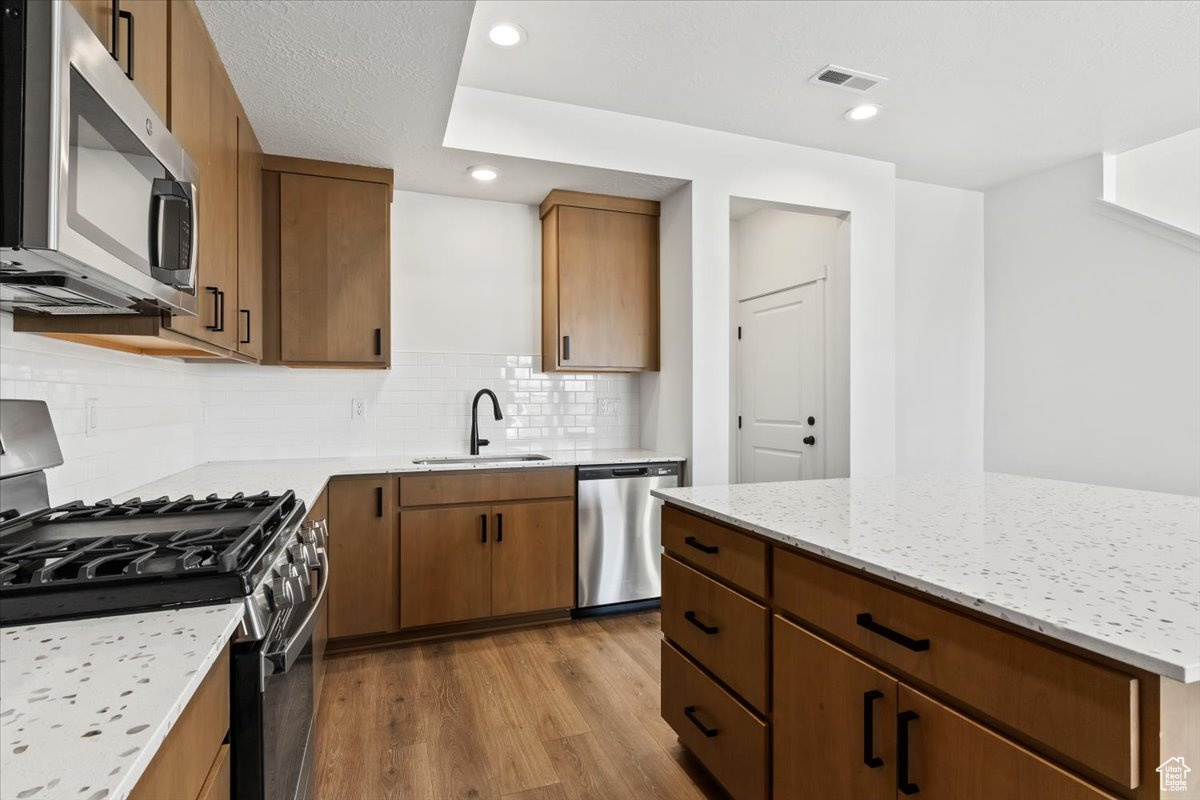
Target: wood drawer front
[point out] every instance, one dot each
(1081, 710)
(733, 556)
(485, 487)
(218, 786)
(736, 754)
(736, 651)
(183, 762)
(951, 757)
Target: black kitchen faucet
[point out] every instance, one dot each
(476, 442)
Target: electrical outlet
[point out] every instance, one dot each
(90, 416)
(608, 406)
(358, 408)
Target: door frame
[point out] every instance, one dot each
(821, 278)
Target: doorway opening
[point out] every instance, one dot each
(790, 279)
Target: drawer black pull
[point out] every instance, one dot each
(499, 528)
(690, 616)
(690, 541)
(379, 341)
(869, 757)
(916, 645)
(379, 501)
(902, 782)
(483, 528)
(690, 713)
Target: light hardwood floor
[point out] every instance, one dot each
(554, 713)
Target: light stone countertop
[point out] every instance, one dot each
(308, 476)
(1113, 571)
(85, 704)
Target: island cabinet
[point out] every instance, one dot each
(326, 264)
(600, 294)
(194, 760)
(866, 690)
(483, 545)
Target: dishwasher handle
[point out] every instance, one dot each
(630, 472)
(659, 469)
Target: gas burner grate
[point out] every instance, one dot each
(135, 506)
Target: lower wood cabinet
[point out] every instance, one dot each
(475, 561)
(363, 559)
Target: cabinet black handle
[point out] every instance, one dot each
(379, 341)
(218, 311)
(916, 645)
(869, 757)
(690, 616)
(483, 528)
(566, 348)
(116, 29)
(902, 777)
(379, 501)
(246, 311)
(690, 713)
(128, 17)
(691, 541)
(499, 528)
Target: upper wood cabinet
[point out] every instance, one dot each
(600, 294)
(249, 241)
(327, 264)
(142, 42)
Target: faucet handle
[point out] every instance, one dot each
(484, 442)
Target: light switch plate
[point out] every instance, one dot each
(91, 416)
(358, 408)
(608, 406)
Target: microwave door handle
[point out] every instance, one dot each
(165, 191)
(283, 658)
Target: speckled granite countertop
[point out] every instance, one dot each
(1113, 571)
(85, 704)
(308, 476)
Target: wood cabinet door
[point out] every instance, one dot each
(98, 15)
(190, 118)
(249, 241)
(445, 565)
(950, 757)
(834, 722)
(363, 565)
(607, 290)
(533, 557)
(143, 49)
(221, 185)
(334, 273)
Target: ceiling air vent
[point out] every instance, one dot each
(851, 79)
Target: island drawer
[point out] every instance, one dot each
(732, 556)
(727, 737)
(723, 630)
(434, 489)
(1081, 710)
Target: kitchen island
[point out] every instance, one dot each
(1050, 627)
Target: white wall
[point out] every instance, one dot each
(149, 411)
(1162, 180)
(1093, 340)
(939, 328)
(466, 275)
(721, 165)
(775, 248)
(666, 396)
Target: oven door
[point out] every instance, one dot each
(107, 193)
(274, 707)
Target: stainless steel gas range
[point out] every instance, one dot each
(83, 560)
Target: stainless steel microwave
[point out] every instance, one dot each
(100, 202)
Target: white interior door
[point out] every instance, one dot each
(781, 385)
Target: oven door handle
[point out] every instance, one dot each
(283, 659)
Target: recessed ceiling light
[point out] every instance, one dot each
(484, 173)
(507, 34)
(863, 112)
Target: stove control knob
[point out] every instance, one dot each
(296, 554)
(281, 597)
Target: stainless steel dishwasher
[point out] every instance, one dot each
(620, 541)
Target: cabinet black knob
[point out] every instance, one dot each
(812, 420)
(810, 440)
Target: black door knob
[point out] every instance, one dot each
(812, 420)
(810, 440)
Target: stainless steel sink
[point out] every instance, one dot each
(514, 459)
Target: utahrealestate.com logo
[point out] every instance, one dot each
(1172, 775)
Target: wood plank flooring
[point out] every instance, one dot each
(561, 712)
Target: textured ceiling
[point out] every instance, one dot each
(372, 83)
(979, 92)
